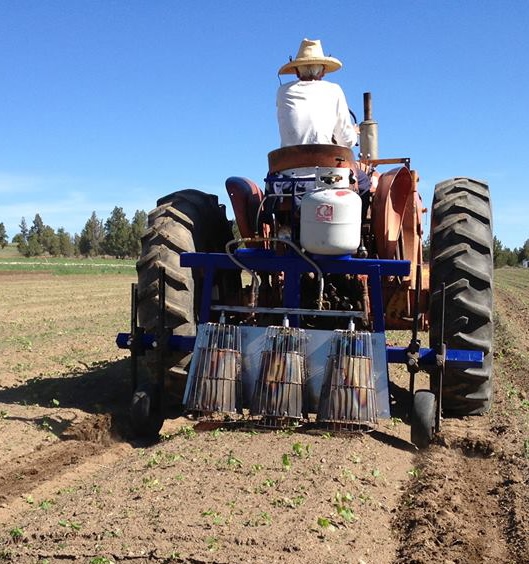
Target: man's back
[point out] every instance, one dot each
(313, 112)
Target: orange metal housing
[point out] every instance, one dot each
(397, 227)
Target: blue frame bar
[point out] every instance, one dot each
(428, 357)
(395, 355)
(293, 267)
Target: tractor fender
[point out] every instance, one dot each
(393, 196)
(245, 197)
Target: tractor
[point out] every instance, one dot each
(280, 317)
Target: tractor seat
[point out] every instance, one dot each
(299, 156)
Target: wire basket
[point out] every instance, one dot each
(278, 398)
(348, 394)
(216, 384)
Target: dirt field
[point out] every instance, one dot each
(74, 487)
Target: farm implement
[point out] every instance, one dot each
(285, 323)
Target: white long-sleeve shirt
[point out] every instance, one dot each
(311, 112)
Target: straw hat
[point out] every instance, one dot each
(311, 53)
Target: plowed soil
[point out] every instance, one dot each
(76, 487)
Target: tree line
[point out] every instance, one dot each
(121, 238)
(117, 237)
(503, 256)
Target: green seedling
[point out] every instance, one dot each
(16, 534)
(256, 468)
(415, 472)
(290, 503)
(364, 498)
(266, 485)
(154, 460)
(299, 450)
(396, 421)
(68, 490)
(348, 475)
(45, 504)
(325, 523)
(217, 517)
(70, 524)
(375, 473)
(46, 425)
(232, 461)
(262, 519)
(342, 505)
(101, 560)
(29, 499)
(212, 543)
(150, 482)
(286, 462)
(187, 432)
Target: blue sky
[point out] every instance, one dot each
(107, 102)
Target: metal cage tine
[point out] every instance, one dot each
(348, 394)
(216, 384)
(279, 390)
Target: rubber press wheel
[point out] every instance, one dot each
(461, 258)
(423, 418)
(146, 417)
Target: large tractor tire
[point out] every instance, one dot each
(461, 257)
(185, 221)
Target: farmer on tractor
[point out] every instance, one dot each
(312, 111)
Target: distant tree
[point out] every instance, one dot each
(24, 231)
(498, 253)
(117, 234)
(523, 253)
(49, 241)
(3, 236)
(92, 237)
(76, 245)
(33, 246)
(36, 240)
(503, 256)
(66, 245)
(37, 228)
(137, 229)
(21, 239)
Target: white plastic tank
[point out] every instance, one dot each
(331, 221)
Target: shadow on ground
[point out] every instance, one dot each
(102, 389)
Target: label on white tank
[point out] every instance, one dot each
(324, 212)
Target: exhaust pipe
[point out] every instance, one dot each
(368, 131)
